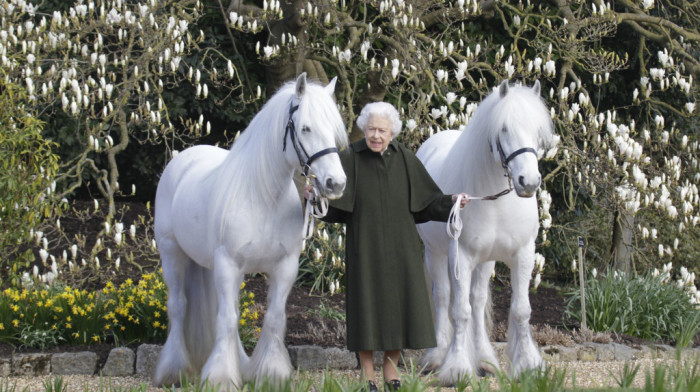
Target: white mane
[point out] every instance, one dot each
(256, 168)
(521, 110)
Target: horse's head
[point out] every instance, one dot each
(315, 130)
(526, 128)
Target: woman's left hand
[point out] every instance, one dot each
(465, 199)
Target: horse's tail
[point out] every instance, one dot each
(200, 323)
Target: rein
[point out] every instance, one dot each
(316, 205)
(454, 221)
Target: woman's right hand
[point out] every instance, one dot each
(308, 191)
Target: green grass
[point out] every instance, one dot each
(326, 311)
(661, 378)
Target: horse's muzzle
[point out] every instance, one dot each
(524, 188)
(332, 187)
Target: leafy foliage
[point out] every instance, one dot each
(322, 263)
(646, 306)
(28, 167)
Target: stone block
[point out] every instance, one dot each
(31, 364)
(664, 351)
(120, 362)
(622, 352)
(603, 352)
(5, 367)
(643, 352)
(550, 353)
(313, 357)
(559, 353)
(587, 353)
(147, 359)
(84, 362)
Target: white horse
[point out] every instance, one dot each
(496, 152)
(221, 214)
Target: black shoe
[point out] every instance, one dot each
(372, 387)
(392, 385)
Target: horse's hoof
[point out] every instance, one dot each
(486, 371)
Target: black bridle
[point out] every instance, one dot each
(505, 160)
(299, 148)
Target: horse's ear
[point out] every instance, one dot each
(301, 85)
(536, 88)
(330, 88)
(503, 88)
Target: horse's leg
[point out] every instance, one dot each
(270, 359)
(223, 368)
(460, 359)
(488, 361)
(522, 349)
(437, 268)
(174, 358)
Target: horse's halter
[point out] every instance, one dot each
(505, 160)
(299, 148)
(317, 205)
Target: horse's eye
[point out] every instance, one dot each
(305, 129)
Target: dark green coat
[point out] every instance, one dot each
(386, 195)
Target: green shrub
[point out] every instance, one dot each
(649, 306)
(27, 169)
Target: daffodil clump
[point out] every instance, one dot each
(41, 316)
(248, 328)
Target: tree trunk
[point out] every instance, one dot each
(622, 241)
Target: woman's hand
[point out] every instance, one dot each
(308, 191)
(465, 199)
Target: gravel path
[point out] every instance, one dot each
(588, 375)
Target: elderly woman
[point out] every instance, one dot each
(388, 191)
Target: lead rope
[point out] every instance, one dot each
(454, 230)
(316, 207)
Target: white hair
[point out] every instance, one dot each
(380, 109)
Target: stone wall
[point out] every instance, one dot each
(123, 361)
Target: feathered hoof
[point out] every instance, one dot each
(225, 385)
(488, 367)
(171, 369)
(274, 371)
(486, 371)
(453, 376)
(169, 377)
(432, 360)
(524, 366)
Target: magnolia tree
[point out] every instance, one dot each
(110, 70)
(619, 79)
(106, 65)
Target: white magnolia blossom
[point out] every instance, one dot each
(550, 68)
(537, 281)
(411, 124)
